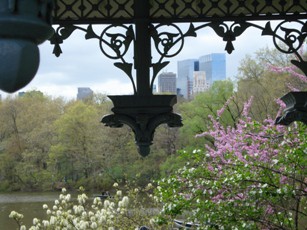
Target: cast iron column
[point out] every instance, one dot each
(142, 48)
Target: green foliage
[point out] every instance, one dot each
(173, 163)
(195, 113)
(258, 79)
(207, 103)
(26, 127)
(47, 143)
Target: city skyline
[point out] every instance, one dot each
(214, 67)
(185, 71)
(82, 64)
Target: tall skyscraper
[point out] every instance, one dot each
(199, 82)
(214, 65)
(84, 92)
(185, 69)
(167, 83)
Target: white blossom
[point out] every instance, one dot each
(52, 220)
(115, 185)
(119, 193)
(35, 221)
(12, 214)
(125, 201)
(46, 223)
(68, 197)
(94, 225)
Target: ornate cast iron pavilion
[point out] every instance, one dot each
(144, 25)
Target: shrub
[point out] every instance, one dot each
(253, 176)
(118, 212)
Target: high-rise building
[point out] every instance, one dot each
(185, 69)
(199, 82)
(167, 83)
(214, 65)
(84, 92)
(21, 94)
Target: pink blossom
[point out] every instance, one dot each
(283, 179)
(247, 106)
(290, 70)
(217, 198)
(269, 210)
(210, 168)
(240, 196)
(221, 111)
(292, 88)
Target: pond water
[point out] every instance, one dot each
(29, 204)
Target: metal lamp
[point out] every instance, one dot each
(296, 108)
(23, 25)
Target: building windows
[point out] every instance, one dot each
(207, 69)
(84, 93)
(167, 83)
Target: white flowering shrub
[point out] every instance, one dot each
(118, 212)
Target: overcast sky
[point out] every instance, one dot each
(82, 64)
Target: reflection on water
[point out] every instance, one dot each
(29, 204)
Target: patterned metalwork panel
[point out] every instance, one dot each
(105, 11)
(85, 11)
(205, 10)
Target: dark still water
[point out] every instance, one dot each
(29, 204)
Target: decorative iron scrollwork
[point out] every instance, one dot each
(169, 40)
(168, 44)
(144, 119)
(143, 112)
(229, 33)
(112, 43)
(292, 40)
(90, 11)
(143, 126)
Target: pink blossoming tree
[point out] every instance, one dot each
(254, 176)
(251, 176)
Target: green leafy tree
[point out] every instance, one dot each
(26, 127)
(258, 77)
(195, 113)
(77, 153)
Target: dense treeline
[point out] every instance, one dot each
(48, 143)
